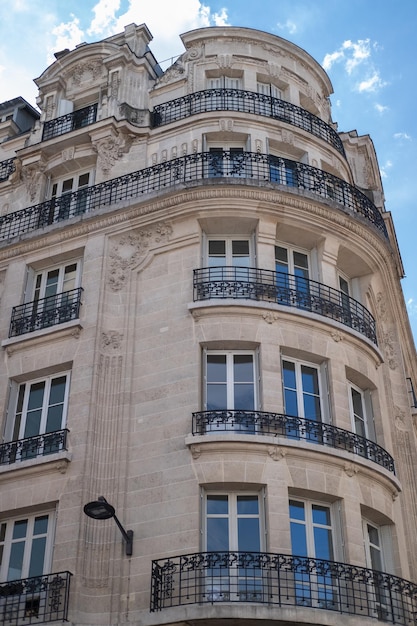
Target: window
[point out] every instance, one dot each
(312, 536)
(233, 523)
(267, 89)
(224, 82)
(37, 411)
(229, 257)
(230, 388)
(226, 161)
(66, 203)
(283, 171)
(26, 546)
(292, 277)
(303, 392)
(52, 296)
(361, 412)
(377, 542)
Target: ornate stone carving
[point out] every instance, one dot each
(388, 345)
(110, 149)
(127, 252)
(68, 154)
(350, 469)
(258, 145)
(336, 336)
(32, 176)
(276, 453)
(193, 53)
(226, 125)
(224, 60)
(381, 306)
(195, 451)
(79, 72)
(111, 341)
(173, 73)
(270, 317)
(114, 84)
(399, 419)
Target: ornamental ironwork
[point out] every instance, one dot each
(71, 121)
(35, 600)
(249, 422)
(45, 312)
(239, 100)
(282, 580)
(33, 447)
(7, 167)
(221, 164)
(245, 283)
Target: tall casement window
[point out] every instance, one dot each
(305, 397)
(292, 277)
(378, 554)
(361, 412)
(233, 523)
(37, 414)
(52, 296)
(226, 161)
(312, 536)
(225, 82)
(229, 258)
(267, 89)
(26, 546)
(65, 204)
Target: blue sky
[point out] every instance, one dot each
(368, 47)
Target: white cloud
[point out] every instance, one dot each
(105, 16)
(381, 108)
(411, 307)
(373, 83)
(220, 19)
(67, 35)
(385, 168)
(288, 26)
(402, 136)
(351, 53)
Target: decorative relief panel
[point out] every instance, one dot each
(127, 252)
(110, 149)
(87, 70)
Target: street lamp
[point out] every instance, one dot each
(101, 509)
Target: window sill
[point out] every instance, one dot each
(51, 463)
(68, 329)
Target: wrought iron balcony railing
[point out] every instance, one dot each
(295, 428)
(45, 312)
(221, 99)
(70, 121)
(248, 166)
(294, 291)
(6, 168)
(33, 447)
(282, 580)
(35, 600)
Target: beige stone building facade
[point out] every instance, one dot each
(202, 321)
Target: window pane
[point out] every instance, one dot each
(297, 510)
(301, 261)
(54, 418)
(323, 543)
(289, 374)
(312, 408)
(298, 539)
(373, 535)
(321, 515)
(310, 379)
(216, 368)
(217, 504)
(33, 422)
(243, 368)
(41, 525)
(83, 180)
(247, 505)
(16, 561)
(244, 398)
(216, 397)
(281, 255)
(67, 186)
(248, 534)
(2, 531)
(20, 529)
(217, 534)
(37, 557)
(36, 395)
(57, 392)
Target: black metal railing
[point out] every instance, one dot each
(45, 312)
(245, 283)
(33, 447)
(249, 422)
(70, 121)
(248, 166)
(35, 600)
(223, 99)
(282, 580)
(7, 167)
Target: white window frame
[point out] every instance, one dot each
(384, 549)
(322, 379)
(7, 526)
(229, 239)
(226, 587)
(37, 280)
(229, 354)
(225, 82)
(291, 250)
(65, 186)
(268, 89)
(18, 407)
(366, 405)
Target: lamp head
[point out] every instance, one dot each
(99, 509)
